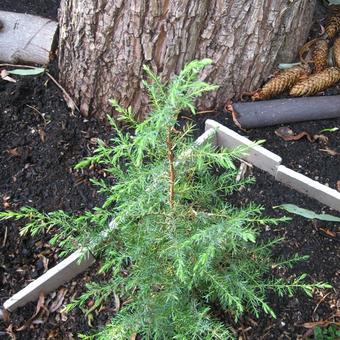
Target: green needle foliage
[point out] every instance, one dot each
(166, 235)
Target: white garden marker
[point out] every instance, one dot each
(66, 270)
(309, 187)
(271, 163)
(257, 155)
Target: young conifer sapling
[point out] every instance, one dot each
(166, 236)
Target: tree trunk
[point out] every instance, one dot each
(104, 43)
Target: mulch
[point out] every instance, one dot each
(41, 141)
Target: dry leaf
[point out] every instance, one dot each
(5, 76)
(70, 103)
(45, 261)
(322, 138)
(53, 334)
(117, 302)
(13, 152)
(242, 171)
(10, 332)
(59, 300)
(133, 336)
(287, 134)
(42, 135)
(330, 151)
(320, 323)
(328, 232)
(40, 306)
(4, 315)
(5, 202)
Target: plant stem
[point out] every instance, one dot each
(171, 168)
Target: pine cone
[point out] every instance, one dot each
(336, 52)
(332, 26)
(316, 82)
(281, 82)
(320, 54)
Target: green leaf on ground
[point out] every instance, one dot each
(330, 129)
(27, 72)
(294, 209)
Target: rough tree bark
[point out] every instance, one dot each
(104, 43)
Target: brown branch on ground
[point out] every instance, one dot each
(229, 107)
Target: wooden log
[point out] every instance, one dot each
(26, 38)
(280, 111)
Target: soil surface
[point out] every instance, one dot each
(44, 8)
(41, 141)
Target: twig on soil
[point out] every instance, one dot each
(322, 323)
(322, 299)
(267, 330)
(245, 162)
(188, 118)
(5, 237)
(73, 104)
(244, 331)
(207, 111)
(69, 100)
(37, 111)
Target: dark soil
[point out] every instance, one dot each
(44, 8)
(40, 143)
(305, 237)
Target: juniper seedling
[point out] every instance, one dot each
(166, 235)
